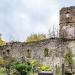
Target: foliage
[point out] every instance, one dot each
(2, 42)
(2, 61)
(69, 56)
(10, 66)
(34, 62)
(45, 68)
(58, 71)
(35, 65)
(23, 68)
(36, 37)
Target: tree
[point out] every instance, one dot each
(69, 58)
(36, 37)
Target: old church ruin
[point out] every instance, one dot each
(48, 51)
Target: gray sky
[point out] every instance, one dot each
(20, 18)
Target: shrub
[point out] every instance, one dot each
(23, 68)
(45, 68)
(35, 65)
(2, 62)
(69, 58)
(34, 62)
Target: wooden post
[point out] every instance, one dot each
(63, 69)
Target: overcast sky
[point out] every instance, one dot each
(20, 18)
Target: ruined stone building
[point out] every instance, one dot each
(48, 51)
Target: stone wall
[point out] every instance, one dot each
(56, 50)
(19, 50)
(49, 51)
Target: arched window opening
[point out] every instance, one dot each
(3, 53)
(8, 51)
(46, 53)
(28, 53)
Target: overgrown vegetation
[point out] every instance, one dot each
(2, 61)
(36, 37)
(24, 68)
(69, 58)
(45, 68)
(13, 67)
